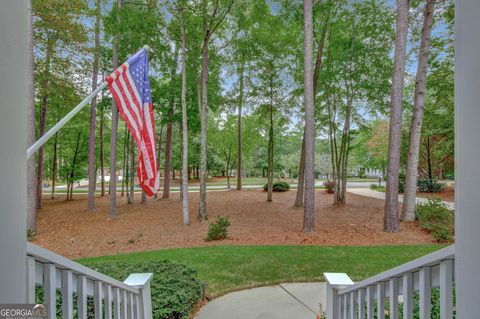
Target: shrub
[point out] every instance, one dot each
(329, 185)
(218, 229)
(401, 182)
(175, 287)
(435, 217)
(279, 186)
(430, 186)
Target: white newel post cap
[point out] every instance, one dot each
(142, 282)
(335, 281)
(138, 280)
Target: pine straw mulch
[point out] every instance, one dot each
(447, 195)
(68, 229)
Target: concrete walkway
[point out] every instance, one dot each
(283, 301)
(381, 195)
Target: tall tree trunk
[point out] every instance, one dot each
(409, 197)
(270, 144)
(93, 109)
(73, 166)
(102, 151)
(185, 209)
(43, 114)
(131, 194)
(55, 165)
(202, 204)
(301, 175)
(316, 73)
(309, 209)
(32, 198)
(168, 156)
(239, 126)
(112, 212)
(429, 159)
(126, 140)
(391, 221)
(159, 152)
(168, 141)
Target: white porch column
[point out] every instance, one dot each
(13, 160)
(467, 157)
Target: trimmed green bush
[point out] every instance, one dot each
(278, 186)
(435, 217)
(175, 286)
(430, 186)
(219, 229)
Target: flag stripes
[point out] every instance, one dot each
(130, 87)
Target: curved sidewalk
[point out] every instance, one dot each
(381, 195)
(282, 301)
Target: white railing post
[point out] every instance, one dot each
(335, 282)
(13, 125)
(142, 282)
(467, 153)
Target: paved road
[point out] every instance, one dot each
(196, 188)
(381, 195)
(283, 301)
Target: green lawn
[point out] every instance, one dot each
(378, 188)
(228, 268)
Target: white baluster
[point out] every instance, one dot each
(370, 302)
(67, 294)
(97, 299)
(380, 300)
(31, 279)
(137, 306)
(393, 292)
(361, 303)
(407, 296)
(131, 311)
(425, 293)
(116, 303)
(50, 288)
(123, 310)
(108, 302)
(446, 292)
(82, 296)
(345, 306)
(352, 305)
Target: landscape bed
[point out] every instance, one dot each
(66, 227)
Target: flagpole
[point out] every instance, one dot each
(45, 137)
(42, 140)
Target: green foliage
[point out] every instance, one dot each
(401, 182)
(430, 186)
(435, 217)
(219, 229)
(278, 186)
(31, 234)
(175, 286)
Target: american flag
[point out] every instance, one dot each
(130, 87)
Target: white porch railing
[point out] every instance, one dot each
(130, 299)
(346, 300)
